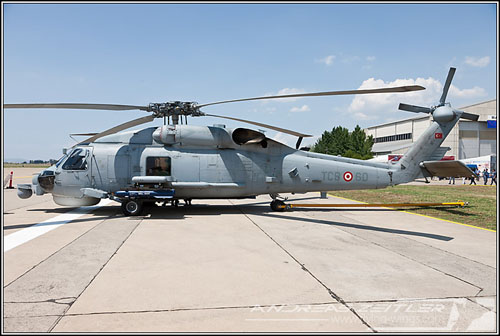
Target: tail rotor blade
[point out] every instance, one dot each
(414, 108)
(447, 84)
(465, 115)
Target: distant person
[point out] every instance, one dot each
(493, 176)
(473, 177)
(452, 178)
(485, 175)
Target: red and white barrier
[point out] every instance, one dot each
(8, 179)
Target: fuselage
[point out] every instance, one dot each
(201, 168)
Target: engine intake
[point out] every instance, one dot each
(211, 136)
(244, 136)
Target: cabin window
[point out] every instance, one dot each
(158, 166)
(76, 160)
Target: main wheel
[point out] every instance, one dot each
(132, 208)
(275, 205)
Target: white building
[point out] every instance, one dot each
(468, 139)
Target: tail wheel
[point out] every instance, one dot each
(132, 208)
(275, 205)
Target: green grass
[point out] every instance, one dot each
(26, 165)
(481, 210)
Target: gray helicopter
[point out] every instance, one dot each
(179, 161)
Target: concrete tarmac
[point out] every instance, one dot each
(234, 265)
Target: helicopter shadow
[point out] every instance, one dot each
(450, 209)
(165, 213)
(289, 200)
(360, 227)
(181, 212)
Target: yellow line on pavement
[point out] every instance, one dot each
(413, 213)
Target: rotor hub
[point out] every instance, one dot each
(443, 114)
(175, 108)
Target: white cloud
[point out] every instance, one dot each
(376, 104)
(304, 108)
(350, 59)
(477, 62)
(362, 116)
(382, 105)
(285, 91)
(346, 59)
(328, 60)
(475, 92)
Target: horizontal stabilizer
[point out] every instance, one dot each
(451, 168)
(438, 154)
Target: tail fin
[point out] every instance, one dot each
(444, 119)
(408, 167)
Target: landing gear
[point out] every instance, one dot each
(278, 205)
(132, 208)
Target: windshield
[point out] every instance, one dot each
(58, 163)
(77, 160)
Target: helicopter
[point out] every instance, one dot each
(180, 161)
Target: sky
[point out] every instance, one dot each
(142, 53)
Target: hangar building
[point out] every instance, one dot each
(468, 139)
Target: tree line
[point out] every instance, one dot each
(341, 142)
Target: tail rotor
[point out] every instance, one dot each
(441, 112)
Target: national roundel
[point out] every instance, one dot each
(348, 176)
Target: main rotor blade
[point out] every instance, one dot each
(119, 128)
(414, 108)
(83, 134)
(447, 84)
(79, 106)
(279, 129)
(328, 93)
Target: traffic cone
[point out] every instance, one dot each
(10, 181)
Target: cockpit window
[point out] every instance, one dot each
(77, 160)
(158, 166)
(58, 163)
